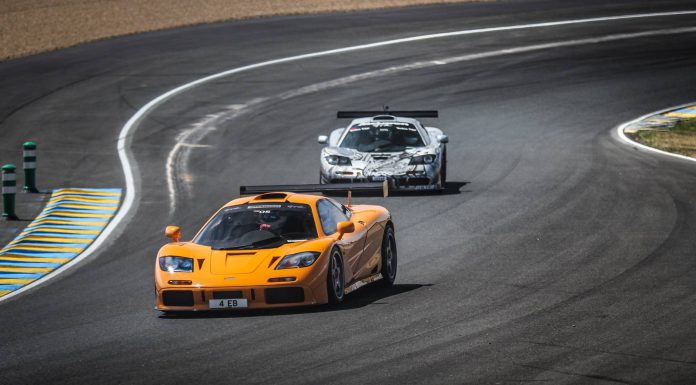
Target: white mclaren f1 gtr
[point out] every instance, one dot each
(386, 145)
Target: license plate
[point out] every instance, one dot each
(378, 178)
(227, 303)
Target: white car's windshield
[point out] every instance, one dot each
(382, 137)
(258, 226)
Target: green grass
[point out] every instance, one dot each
(680, 139)
(686, 125)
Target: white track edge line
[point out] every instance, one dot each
(130, 125)
(620, 131)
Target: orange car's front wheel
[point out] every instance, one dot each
(335, 281)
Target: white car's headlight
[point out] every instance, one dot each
(338, 160)
(423, 159)
(302, 259)
(176, 264)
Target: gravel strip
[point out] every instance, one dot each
(32, 26)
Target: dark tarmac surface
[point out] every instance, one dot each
(558, 255)
(27, 207)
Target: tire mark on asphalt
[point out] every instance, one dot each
(53, 91)
(583, 375)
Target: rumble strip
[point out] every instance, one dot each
(69, 223)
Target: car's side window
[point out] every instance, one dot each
(329, 215)
(424, 133)
(344, 210)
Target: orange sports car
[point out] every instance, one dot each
(277, 249)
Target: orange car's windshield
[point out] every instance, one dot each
(258, 226)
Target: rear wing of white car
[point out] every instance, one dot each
(405, 114)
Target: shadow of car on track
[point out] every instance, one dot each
(366, 295)
(451, 188)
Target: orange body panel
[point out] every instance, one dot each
(247, 272)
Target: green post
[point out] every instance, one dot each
(9, 189)
(30, 167)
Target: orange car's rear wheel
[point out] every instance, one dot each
(335, 281)
(388, 257)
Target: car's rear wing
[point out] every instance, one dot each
(405, 114)
(336, 188)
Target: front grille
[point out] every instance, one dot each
(284, 295)
(417, 181)
(177, 298)
(347, 180)
(227, 294)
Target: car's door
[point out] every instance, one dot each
(371, 254)
(351, 245)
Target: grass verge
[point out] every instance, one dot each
(679, 139)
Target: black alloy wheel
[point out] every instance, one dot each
(389, 260)
(335, 281)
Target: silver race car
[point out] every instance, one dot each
(386, 145)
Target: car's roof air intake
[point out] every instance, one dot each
(383, 117)
(271, 196)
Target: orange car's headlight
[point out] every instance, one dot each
(293, 261)
(176, 264)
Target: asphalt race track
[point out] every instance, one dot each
(558, 253)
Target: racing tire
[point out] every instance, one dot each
(335, 279)
(443, 169)
(389, 260)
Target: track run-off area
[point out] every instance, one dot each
(558, 253)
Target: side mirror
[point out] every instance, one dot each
(322, 139)
(344, 228)
(173, 232)
(443, 138)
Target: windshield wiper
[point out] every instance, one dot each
(252, 245)
(269, 240)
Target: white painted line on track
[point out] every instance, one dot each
(196, 130)
(199, 130)
(127, 131)
(188, 139)
(178, 156)
(620, 132)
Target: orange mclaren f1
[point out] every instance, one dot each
(278, 249)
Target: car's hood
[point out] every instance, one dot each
(237, 261)
(376, 163)
(248, 261)
(357, 155)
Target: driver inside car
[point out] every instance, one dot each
(271, 221)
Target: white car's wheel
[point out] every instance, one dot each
(443, 169)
